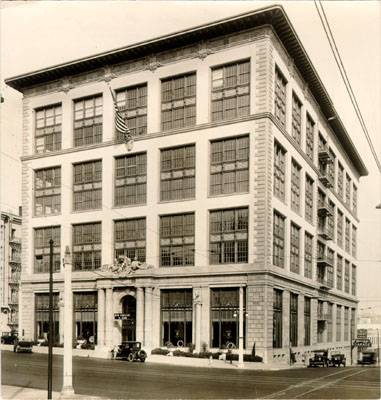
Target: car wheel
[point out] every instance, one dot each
(2, 341)
(130, 357)
(17, 350)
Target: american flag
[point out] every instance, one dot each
(120, 124)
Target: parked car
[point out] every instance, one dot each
(337, 360)
(21, 345)
(131, 351)
(8, 337)
(320, 358)
(368, 357)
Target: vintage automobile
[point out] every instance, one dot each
(337, 360)
(320, 359)
(368, 357)
(21, 345)
(8, 337)
(131, 351)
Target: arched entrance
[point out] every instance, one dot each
(129, 324)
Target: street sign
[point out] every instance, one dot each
(362, 333)
(362, 343)
(121, 316)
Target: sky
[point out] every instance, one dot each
(35, 35)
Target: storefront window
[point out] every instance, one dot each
(41, 317)
(86, 317)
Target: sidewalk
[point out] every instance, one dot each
(20, 393)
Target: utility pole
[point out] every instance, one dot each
(67, 387)
(240, 329)
(50, 352)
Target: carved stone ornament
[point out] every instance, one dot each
(153, 64)
(203, 53)
(108, 75)
(66, 86)
(197, 297)
(125, 266)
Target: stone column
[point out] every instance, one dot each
(109, 318)
(240, 329)
(148, 318)
(139, 314)
(101, 318)
(197, 303)
(61, 316)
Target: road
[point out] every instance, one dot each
(120, 379)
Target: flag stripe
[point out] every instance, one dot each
(120, 123)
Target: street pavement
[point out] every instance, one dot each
(113, 379)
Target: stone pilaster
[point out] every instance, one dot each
(148, 318)
(101, 318)
(139, 314)
(109, 318)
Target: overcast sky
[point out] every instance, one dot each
(35, 35)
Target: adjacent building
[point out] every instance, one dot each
(240, 190)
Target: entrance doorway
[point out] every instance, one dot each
(129, 324)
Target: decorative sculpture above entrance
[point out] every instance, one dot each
(123, 265)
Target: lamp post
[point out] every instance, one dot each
(50, 343)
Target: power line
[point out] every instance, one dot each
(343, 73)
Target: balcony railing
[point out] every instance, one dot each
(15, 259)
(324, 209)
(324, 284)
(325, 178)
(325, 232)
(324, 154)
(13, 301)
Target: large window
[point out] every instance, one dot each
(347, 235)
(354, 200)
(130, 179)
(296, 118)
(278, 239)
(88, 185)
(346, 324)
(130, 238)
(338, 323)
(279, 170)
(48, 129)
(308, 243)
(132, 104)
(280, 97)
(354, 281)
(277, 318)
(329, 323)
(177, 175)
(348, 185)
(307, 321)
(293, 319)
(331, 220)
(340, 221)
(86, 316)
(340, 181)
(309, 199)
(295, 185)
(224, 315)
(87, 245)
(332, 167)
(88, 121)
(177, 240)
(339, 273)
(321, 323)
(41, 317)
(294, 248)
(176, 316)
(354, 241)
(229, 236)
(229, 169)
(346, 276)
(178, 101)
(231, 91)
(310, 137)
(42, 237)
(47, 191)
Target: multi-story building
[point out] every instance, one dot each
(10, 270)
(241, 184)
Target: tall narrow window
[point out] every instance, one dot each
(296, 118)
(177, 240)
(308, 239)
(347, 235)
(231, 91)
(331, 220)
(131, 179)
(88, 185)
(354, 241)
(132, 104)
(278, 240)
(277, 318)
(48, 129)
(224, 306)
(178, 101)
(346, 277)
(321, 322)
(331, 262)
(41, 317)
(346, 324)
(177, 176)
(130, 238)
(354, 200)
(86, 316)
(88, 121)
(87, 246)
(340, 181)
(339, 273)
(176, 316)
(354, 281)
(309, 199)
(295, 248)
(332, 167)
(229, 236)
(295, 185)
(310, 137)
(329, 323)
(279, 170)
(307, 321)
(280, 97)
(293, 319)
(42, 237)
(340, 221)
(338, 323)
(348, 184)
(47, 191)
(229, 169)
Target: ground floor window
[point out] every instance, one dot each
(224, 313)
(293, 319)
(41, 317)
(307, 321)
(277, 318)
(176, 317)
(86, 317)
